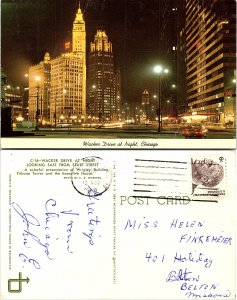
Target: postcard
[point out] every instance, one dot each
(118, 224)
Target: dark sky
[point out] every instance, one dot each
(32, 27)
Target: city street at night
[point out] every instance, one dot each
(130, 132)
(140, 62)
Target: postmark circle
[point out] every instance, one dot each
(91, 173)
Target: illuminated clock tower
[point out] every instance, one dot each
(79, 34)
(79, 50)
(67, 81)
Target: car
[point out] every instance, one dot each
(64, 125)
(98, 126)
(196, 131)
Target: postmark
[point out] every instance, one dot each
(92, 173)
(196, 178)
(158, 178)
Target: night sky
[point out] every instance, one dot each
(32, 27)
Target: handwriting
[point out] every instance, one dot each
(69, 212)
(196, 258)
(24, 258)
(201, 239)
(182, 224)
(69, 231)
(50, 205)
(28, 219)
(208, 295)
(49, 214)
(135, 224)
(32, 223)
(181, 275)
(153, 258)
(195, 287)
(93, 220)
(189, 261)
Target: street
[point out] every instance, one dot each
(133, 131)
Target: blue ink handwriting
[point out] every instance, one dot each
(181, 275)
(153, 258)
(185, 224)
(32, 224)
(208, 295)
(196, 258)
(144, 224)
(194, 287)
(69, 231)
(93, 220)
(203, 239)
(24, 258)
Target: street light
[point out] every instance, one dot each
(159, 70)
(37, 78)
(55, 110)
(93, 106)
(25, 103)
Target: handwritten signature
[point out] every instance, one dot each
(93, 221)
(32, 224)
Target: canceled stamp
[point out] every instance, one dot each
(165, 181)
(208, 177)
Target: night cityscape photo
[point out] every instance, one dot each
(159, 69)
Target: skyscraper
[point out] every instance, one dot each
(68, 78)
(103, 86)
(39, 91)
(63, 90)
(211, 59)
(14, 98)
(181, 60)
(169, 13)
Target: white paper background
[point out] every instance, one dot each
(88, 272)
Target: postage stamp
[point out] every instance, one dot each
(208, 177)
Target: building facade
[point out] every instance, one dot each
(39, 91)
(103, 81)
(211, 59)
(57, 87)
(168, 33)
(67, 103)
(182, 105)
(13, 97)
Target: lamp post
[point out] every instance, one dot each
(160, 70)
(55, 110)
(37, 105)
(94, 102)
(41, 110)
(167, 108)
(25, 104)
